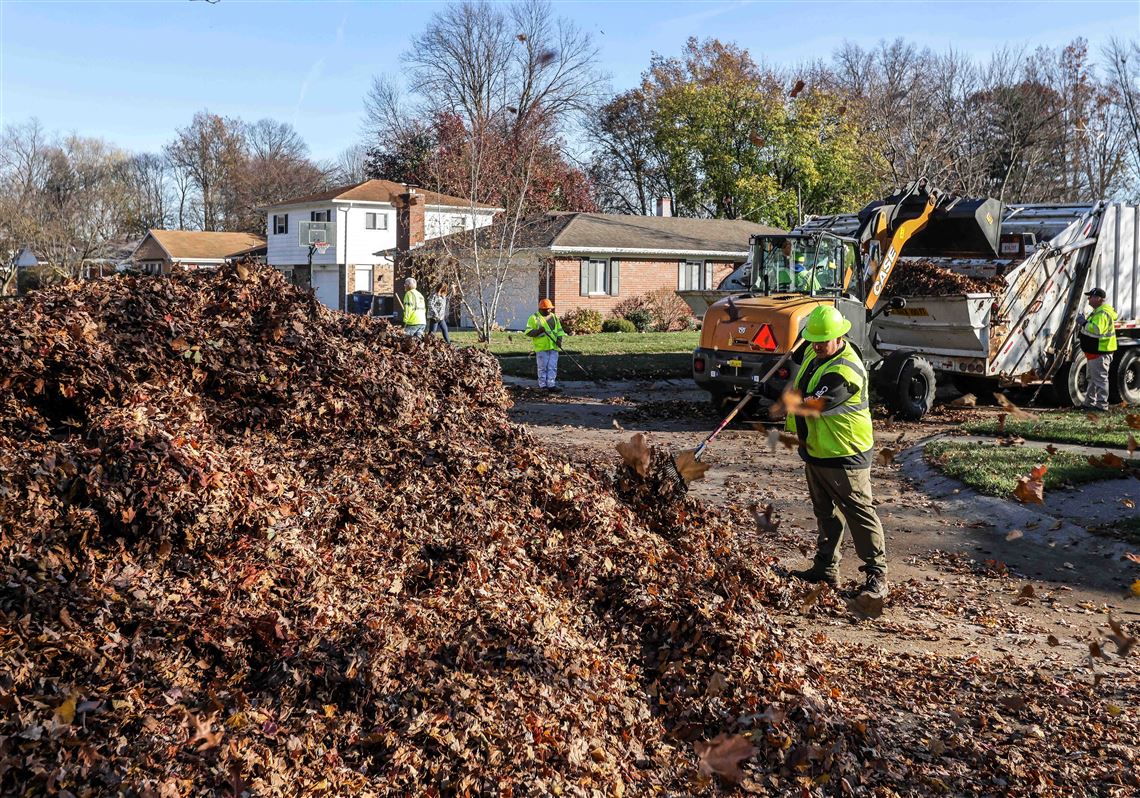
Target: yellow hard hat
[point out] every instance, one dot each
(825, 323)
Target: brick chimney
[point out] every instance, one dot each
(664, 206)
(409, 233)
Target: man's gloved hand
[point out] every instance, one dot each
(1081, 320)
(767, 390)
(558, 341)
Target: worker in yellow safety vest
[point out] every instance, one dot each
(836, 449)
(1098, 342)
(545, 331)
(415, 310)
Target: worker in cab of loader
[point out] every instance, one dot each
(545, 331)
(415, 310)
(836, 449)
(799, 278)
(1098, 342)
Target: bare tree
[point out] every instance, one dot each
(210, 150)
(350, 166)
(1123, 67)
(150, 192)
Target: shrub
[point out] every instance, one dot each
(670, 313)
(640, 318)
(618, 326)
(582, 321)
(629, 305)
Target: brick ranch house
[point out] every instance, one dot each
(166, 251)
(596, 260)
(366, 217)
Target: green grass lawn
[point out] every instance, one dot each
(994, 470)
(606, 356)
(516, 343)
(1064, 426)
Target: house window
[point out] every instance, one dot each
(599, 278)
(694, 275)
(280, 224)
(375, 221)
(320, 216)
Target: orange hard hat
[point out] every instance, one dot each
(545, 304)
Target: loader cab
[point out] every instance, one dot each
(818, 265)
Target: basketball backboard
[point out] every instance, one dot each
(315, 234)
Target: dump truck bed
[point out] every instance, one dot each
(1021, 329)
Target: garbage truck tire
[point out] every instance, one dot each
(1125, 378)
(910, 395)
(1071, 382)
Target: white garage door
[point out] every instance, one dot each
(326, 282)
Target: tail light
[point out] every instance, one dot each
(699, 365)
(764, 339)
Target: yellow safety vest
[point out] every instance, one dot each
(542, 343)
(415, 310)
(844, 430)
(1101, 324)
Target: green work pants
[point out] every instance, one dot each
(844, 494)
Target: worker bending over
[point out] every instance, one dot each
(836, 449)
(545, 331)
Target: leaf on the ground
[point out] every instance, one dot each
(635, 453)
(1014, 534)
(1132, 444)
(243, 271)
(618, 426)
(1093, 417)
(722, 755)
(812, 597)
(1095, 650)
(1001, 423)
(866, 605)
(886, 456)
(1051, 449)
(200, 731)
(1135, 588)
(1128, 503)
(1039, 471)
(65, 712)
(1011, 440)
(1053, 641)
(1014, 411)
(763, 518)
(716, 685)
(1124, 641)
(1028, 592)
(1133, 420)
(690, 468)
(1030, 491)
(965, 400)
(1107, 460)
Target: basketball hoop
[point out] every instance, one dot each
(321, 246)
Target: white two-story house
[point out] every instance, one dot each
(366, 218)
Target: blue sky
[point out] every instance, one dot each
(132, 71)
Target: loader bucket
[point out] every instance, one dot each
(958, 228)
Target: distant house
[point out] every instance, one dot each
(596, 260)
(366, 218)
(166, 251)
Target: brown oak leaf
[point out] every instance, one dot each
(1014, 411)
(965, 400)
(690, 468)
(722, 755)
(763, 518)
(635, 453)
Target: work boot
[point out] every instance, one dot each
(817, 574)
(876, 585)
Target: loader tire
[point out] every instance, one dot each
(1124, 383)
(912, 395)
(1071, 382)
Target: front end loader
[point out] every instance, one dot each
(743, 335)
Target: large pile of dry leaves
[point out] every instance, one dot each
(918, 277)
(249, 546)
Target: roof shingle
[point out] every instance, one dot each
(377, 191)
